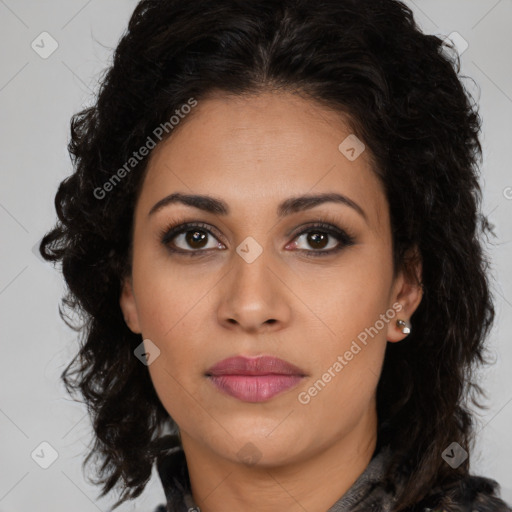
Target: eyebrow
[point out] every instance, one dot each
(292, 205)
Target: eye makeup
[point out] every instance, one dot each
(323, 225)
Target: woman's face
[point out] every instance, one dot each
(256, 277)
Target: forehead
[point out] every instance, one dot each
(258, 150)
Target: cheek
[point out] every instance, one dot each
(171, 310)
(347, 370)
(167, 293)
(348, 350)
(177, 393)
(348, 297)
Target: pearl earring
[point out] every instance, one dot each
(402, 325)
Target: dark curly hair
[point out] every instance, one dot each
(400, 90)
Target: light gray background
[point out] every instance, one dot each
(37, 98)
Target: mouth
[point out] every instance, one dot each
(254, 379)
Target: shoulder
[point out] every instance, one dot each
(469, 494)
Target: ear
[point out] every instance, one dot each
(129, 307)
(407, 292)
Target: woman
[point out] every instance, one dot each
(272, 234)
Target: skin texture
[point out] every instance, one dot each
(254, 152)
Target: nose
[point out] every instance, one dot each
(254, 297)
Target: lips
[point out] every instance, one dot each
(262, 365)
(254, 379)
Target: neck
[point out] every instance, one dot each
(313, 482)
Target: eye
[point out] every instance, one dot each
(191, 239)
(317, 236)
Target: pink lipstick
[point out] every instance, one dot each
(254, 379)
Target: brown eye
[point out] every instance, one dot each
(322, 239)
(190, 239)
(196, 239)
(317, 239)
(193, 240)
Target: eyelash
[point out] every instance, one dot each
(173, 229)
